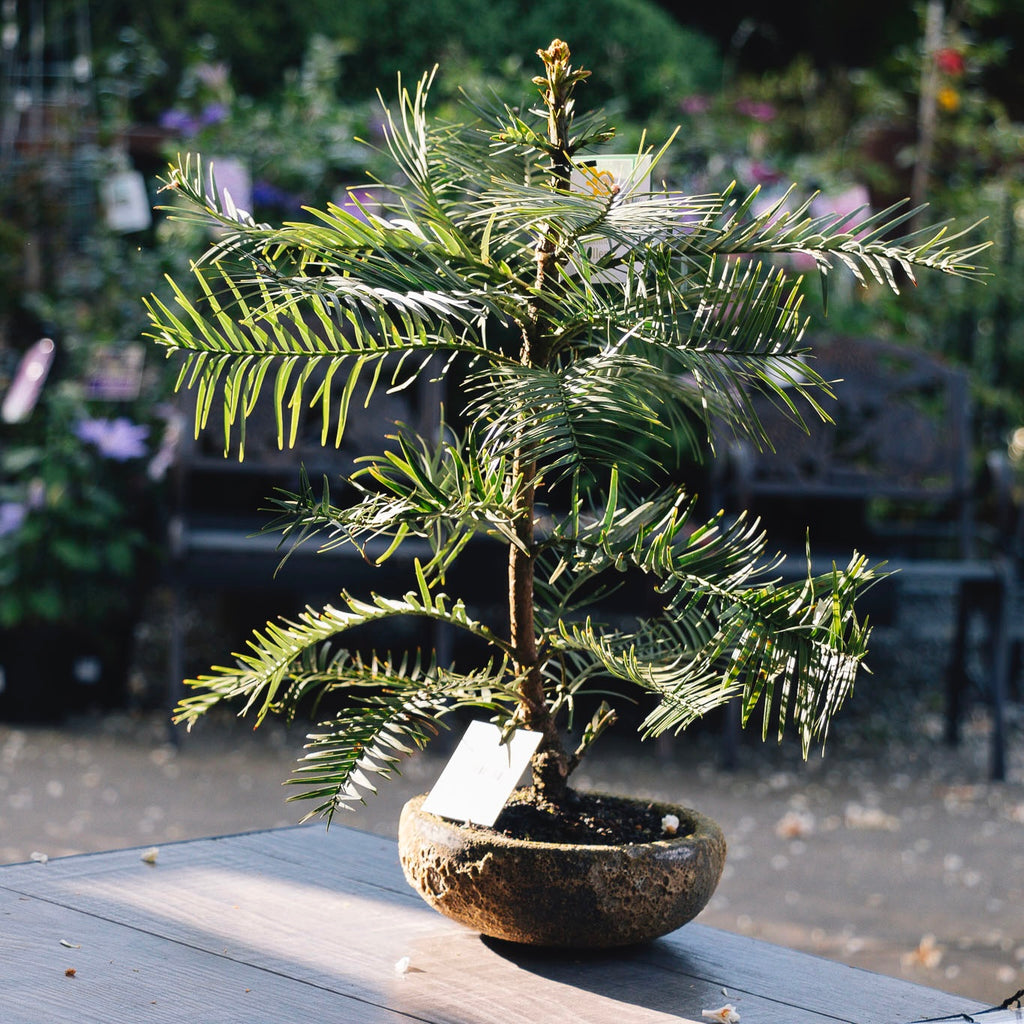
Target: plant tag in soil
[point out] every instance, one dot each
(480, 776)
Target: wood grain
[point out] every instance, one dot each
(314, 922)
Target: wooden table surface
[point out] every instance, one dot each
(304, 924)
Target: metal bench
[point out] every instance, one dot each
(221, 507)
(891, 476)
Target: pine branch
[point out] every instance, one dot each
(233, 351)
(366, 741)
(443, 494)
(728, 629)
(276, 653)
(590, 411)
(859, 243)
(792, 649)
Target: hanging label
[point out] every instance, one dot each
(114, 372)
(481, 774)
(126, 202)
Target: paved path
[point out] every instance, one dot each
(900, 858)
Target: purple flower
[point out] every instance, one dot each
(213, 113)
(213, 76)
(179, 121)
(756, 109)
(266, 193)
(357, 201)
(696, 104)
(763, 174)
(12, 515)
(118, 439)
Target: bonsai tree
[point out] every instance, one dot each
(589, 317)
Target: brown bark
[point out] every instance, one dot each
(551, 763)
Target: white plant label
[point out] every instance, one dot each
(126, 202)
(606, 176)
(481, 774)
(613, 173)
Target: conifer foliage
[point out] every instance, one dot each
(579, 318)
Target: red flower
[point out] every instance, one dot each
(950, 61)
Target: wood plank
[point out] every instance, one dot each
(827, 988)
(737, 963)
(123, 974)
(345, 937)
(332, 910)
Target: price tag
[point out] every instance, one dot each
(480, 776)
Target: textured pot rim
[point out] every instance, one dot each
(703, 827)
(562, 895)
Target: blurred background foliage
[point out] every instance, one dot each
(645, 54)
(858, 101)
(865, 103)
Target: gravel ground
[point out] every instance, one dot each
(896, 856)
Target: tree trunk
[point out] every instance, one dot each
(551, 763)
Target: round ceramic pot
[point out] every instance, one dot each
(558, 894)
